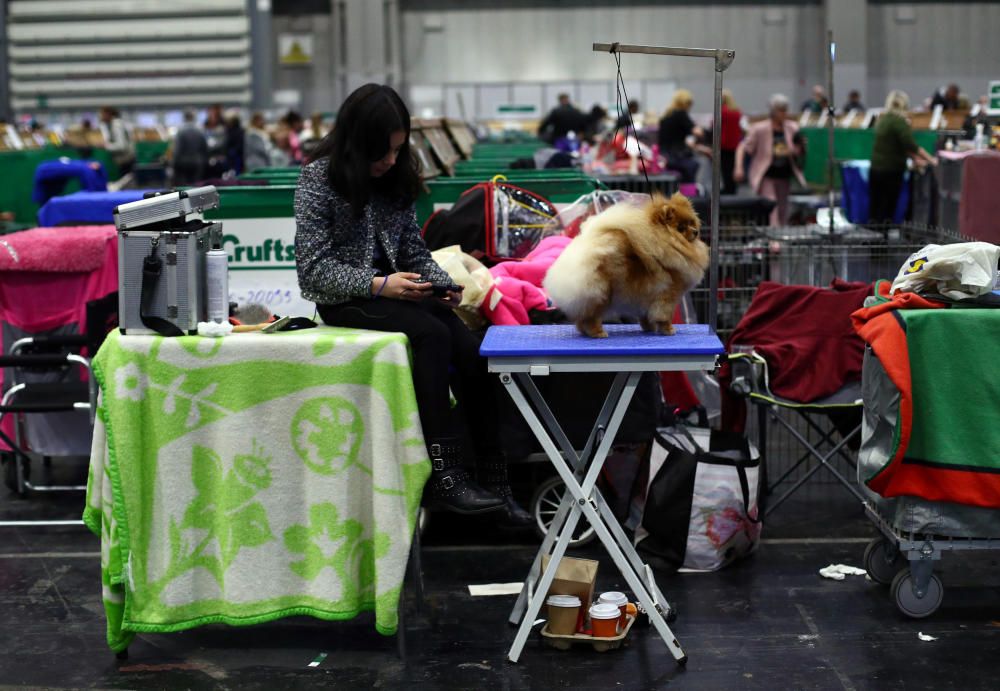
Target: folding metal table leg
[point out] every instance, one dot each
(579, 463)
(580, 494)
(628, 549)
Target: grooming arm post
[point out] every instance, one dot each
(723, 57)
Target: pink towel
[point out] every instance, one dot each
(56, 250)
(518, 287)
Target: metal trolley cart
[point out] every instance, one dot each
(915, 532)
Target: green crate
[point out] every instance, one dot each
(265, 201)
(150, 152)
(848, 144)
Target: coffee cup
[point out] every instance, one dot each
(618, 600)
(564, 611)
(604, 620)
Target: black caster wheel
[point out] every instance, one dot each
(122, 654)
(908, 602)
(879, 566)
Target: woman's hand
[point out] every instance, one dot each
(401, 286)
(738, 175)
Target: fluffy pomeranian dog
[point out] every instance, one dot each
(630, 261)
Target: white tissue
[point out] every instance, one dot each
(215, 329)
(924, 637)
(839, 571)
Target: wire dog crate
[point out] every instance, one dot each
(804, 255)
(807, 255)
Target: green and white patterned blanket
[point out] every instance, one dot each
(243, 479)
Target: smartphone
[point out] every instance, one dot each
(441, 291)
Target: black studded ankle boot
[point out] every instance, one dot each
(492, 475)
(450, 487)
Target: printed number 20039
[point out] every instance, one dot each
(264, 297)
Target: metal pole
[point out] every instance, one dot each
(723, 57)
(830, 160)
(713, 266)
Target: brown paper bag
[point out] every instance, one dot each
(574, 577)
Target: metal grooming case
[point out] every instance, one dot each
(159, 225)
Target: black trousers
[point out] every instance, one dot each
(727, 160)
(884, 187)
(445, 353)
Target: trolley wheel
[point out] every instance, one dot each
(122, 654)
(908, 602)
(877, 563)
(544, 506)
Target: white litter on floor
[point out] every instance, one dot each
(924, 637)
(495, 589)
(840, 571)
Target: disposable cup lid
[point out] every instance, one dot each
(603, 610)
(613, 598)
(563, 601)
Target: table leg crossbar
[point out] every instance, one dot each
(582, 499)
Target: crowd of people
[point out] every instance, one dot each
(767, 155)
(221, 145)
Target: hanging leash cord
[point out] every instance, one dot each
(620, 92)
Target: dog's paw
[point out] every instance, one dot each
(665, 328)
(592, 328)
(646, 324)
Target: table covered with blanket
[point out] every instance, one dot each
(257, 476)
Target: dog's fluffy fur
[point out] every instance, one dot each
(630, 260)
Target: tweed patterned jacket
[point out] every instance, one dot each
(334, 251)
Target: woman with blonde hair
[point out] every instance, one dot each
(676, 127)
(894, 144)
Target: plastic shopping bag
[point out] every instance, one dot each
(961, 270)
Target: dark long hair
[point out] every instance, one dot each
(359, 138)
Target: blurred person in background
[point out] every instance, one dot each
(234, 143)
(118, 139)
(189, 152)
(894, 144)
(281, 153)
(730, 135)
(678, 136)
(294, 125)
(776, 148)
(257, 146)
(215, 136)
(948, 98)
(816, 103)
(562, 120)
(312, 134)
(853, 102)
(633, 113)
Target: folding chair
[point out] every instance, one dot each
(39, 378)
(750, 379)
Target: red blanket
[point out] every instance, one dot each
(805, 334)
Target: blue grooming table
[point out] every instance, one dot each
(85, 208)
(519, 353)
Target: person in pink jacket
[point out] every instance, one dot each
(775, 147)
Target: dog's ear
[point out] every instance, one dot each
(662, 212)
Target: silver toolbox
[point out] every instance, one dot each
(179, 294)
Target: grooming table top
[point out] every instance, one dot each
(561, 348)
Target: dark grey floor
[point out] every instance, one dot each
(768, 623)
